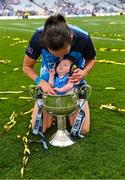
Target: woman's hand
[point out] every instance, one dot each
(46, 87)
(77, 76)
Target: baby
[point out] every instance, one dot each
(60, 75)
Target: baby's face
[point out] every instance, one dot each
(63, 67)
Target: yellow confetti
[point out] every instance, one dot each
(24, 87)
(11, 92)
(22, 172)
(26, 151)
(30, 126)
(102, 49)
(25, 160)
(23, 41)
(11, 123)
(114, 49)
(122, 50)
(25, 140)
(110, 106)
(108, 49)
(15, 69)
(16, 39)
(27, 112)
(112, 62)
(3, 98)
(110, 88)
(5, 61)
(21, 97)
(18, 136)
(27, 133)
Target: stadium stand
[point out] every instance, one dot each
(25, 8)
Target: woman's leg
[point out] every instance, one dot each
(86, 125)
(47, 118)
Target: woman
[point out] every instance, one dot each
(55, 40)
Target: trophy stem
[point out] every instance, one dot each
(61, 122)
(62, 137)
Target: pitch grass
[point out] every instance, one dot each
(101, 155)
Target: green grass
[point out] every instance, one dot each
(98, 156)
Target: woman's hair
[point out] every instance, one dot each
(56, 33)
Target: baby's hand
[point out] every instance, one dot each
(52, 71)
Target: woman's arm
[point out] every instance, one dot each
(28, 68)
(28, 65)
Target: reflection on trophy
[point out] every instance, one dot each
(61, 106)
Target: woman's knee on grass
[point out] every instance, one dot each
(47, 120)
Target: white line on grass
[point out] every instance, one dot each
(107, 39)
(17, 29)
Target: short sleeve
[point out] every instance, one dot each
(33, 49)
(89, 50)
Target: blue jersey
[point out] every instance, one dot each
(60, 82)
(82, 49)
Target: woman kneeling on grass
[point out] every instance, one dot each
(53, 41)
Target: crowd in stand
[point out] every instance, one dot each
(65, 7)
(6, 8)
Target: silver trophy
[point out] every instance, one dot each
(61, 106)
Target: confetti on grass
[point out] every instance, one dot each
(11, 123)
(5, 61)
(107, 88)
(111, 62)
(15, 69)
(27, 98)
(26, 151)
(3, 98)
(11, 92)
(111, 107)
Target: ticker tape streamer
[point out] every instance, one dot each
(112, 107)
(111, 62)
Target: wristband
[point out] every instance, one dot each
(37, 80)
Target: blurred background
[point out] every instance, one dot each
(27, 8)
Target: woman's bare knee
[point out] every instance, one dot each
(85, 130)
(47, 120)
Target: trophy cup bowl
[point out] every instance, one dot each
(60, 104)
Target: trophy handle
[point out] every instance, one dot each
(34, 91)
(81, 104)
(90, 90)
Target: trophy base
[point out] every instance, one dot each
(61, 138)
